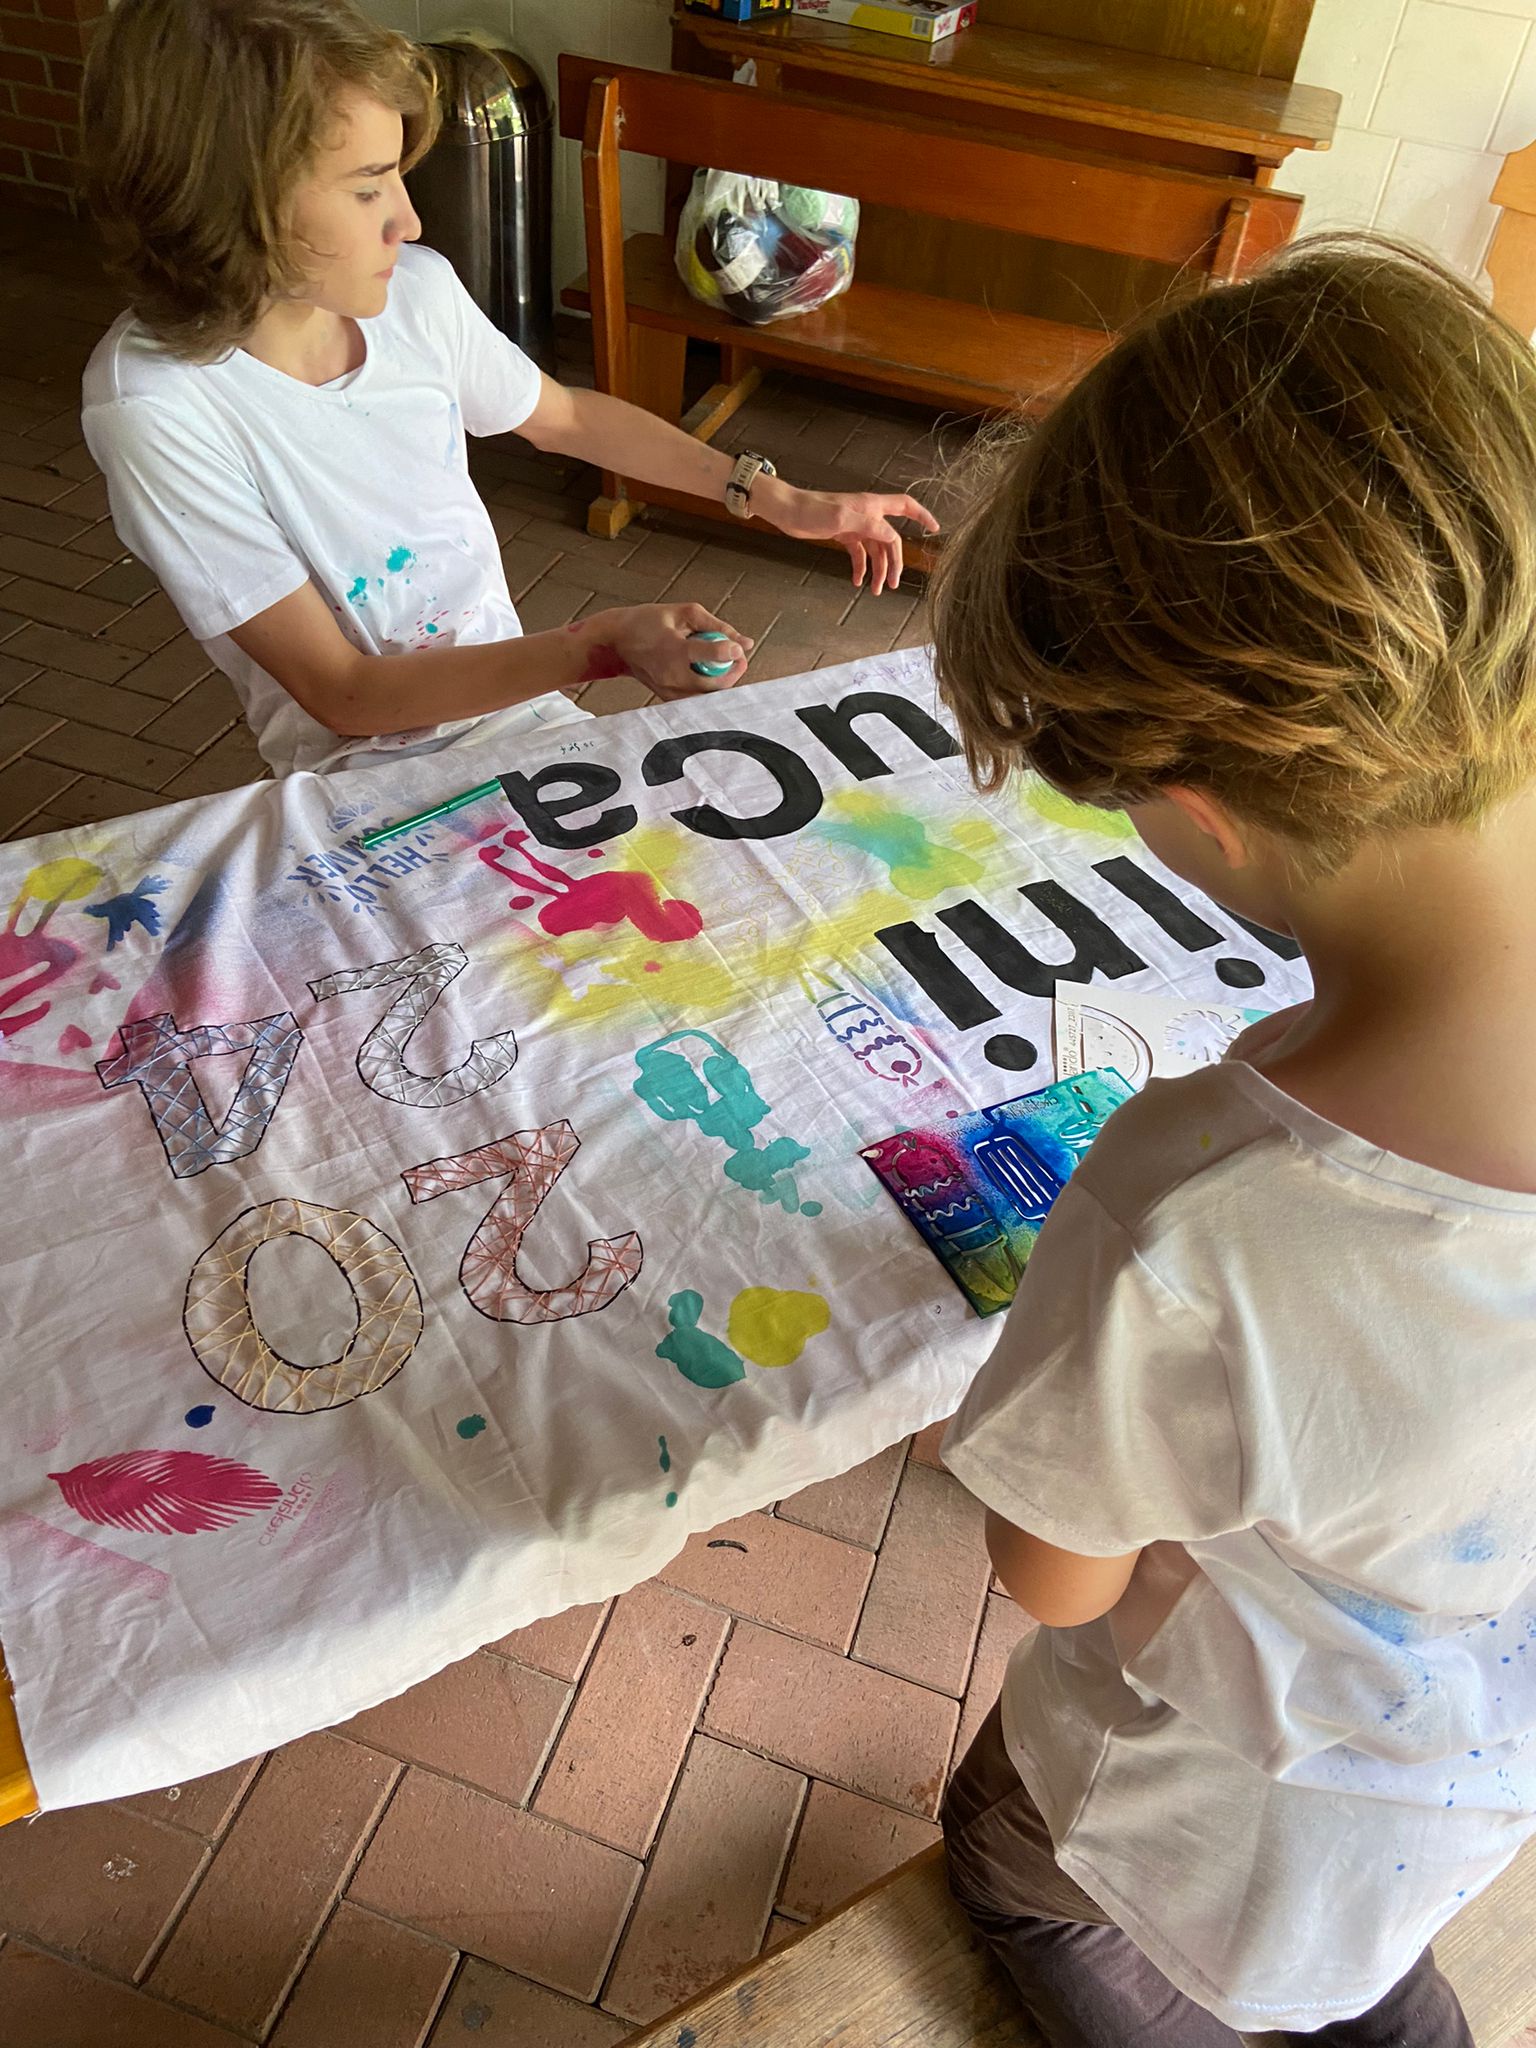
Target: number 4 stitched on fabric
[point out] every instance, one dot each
(157, 1058)
(532, 1161)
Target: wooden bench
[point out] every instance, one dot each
(877, 337)
(898, 1967)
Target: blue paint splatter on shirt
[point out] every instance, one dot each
(398, 559)
(358, 594)
(1473, 1542)
(1392, 1624)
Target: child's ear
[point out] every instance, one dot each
(1211, 818)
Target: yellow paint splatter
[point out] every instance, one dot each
(772, 1325)
(1057, 809)
(62, 881)
(55, 882)
(1205, 1141)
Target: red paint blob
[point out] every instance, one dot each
(595, 852)
(653, 967)
(521, 903)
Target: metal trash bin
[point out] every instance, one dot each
(483, 190)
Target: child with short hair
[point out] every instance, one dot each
(281, 419)
(1258, 1439)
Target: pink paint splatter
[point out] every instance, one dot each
(101, 981)
(79, 1552)
(73, 1039)
(49, 1437)
(585, 903)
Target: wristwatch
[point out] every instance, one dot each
(738, 491)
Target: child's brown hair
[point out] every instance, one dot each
(1278, 545)
(200, 118)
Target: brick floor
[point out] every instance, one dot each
(559, 1837)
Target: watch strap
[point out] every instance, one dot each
(738, 489)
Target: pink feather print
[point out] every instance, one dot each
(172, 1493)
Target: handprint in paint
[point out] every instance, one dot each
(596, 902)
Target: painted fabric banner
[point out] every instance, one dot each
(401, 1247)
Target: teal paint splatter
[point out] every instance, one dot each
(918, 866)
(697, 1356)
(471, 1426)
(398, 559)
(358, 594)
(431, 629)
(708, 1086)
(671, 1500)
(666, 1455)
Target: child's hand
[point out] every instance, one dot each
(657, 644)
(859, 521)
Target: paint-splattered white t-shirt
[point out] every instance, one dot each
(238, 484)
(1302, 1371)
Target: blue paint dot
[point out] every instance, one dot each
(1402, 1866)
(471, 1426)
(198, 1418)
(810, 1208)
(431, 629)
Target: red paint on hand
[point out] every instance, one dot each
(601, 664)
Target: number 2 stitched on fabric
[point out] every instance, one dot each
(532, 1161)
(381, 1056)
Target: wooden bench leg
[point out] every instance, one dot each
(608, 515)
(656, 361)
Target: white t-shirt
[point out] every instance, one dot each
(1304, 1372)
(237, 484)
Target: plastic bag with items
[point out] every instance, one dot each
(764, 251)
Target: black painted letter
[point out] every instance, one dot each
(833, 726)
(593, 783)
(799, 791)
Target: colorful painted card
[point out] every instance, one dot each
(1143, 1037)
(404, 1245)
(977, 1187)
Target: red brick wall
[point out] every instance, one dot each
(42, 47)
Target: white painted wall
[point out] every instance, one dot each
(1436, 94)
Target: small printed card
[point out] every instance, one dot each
(977, 1186)
(1099, 1025)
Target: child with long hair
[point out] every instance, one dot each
(281, 417)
